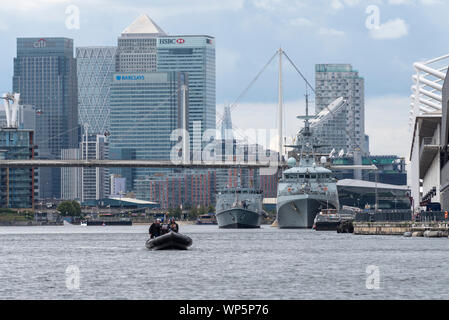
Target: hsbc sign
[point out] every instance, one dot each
(171, 41)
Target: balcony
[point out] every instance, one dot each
(427, 152)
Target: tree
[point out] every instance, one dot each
(66, 208)
(77, 208)
(210, 209)
(193, 214)
(202, 210)
(177, 212)
(69, 208)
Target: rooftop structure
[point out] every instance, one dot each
(429, 128)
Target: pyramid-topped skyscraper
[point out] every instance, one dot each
(136, 51)
(144, 26)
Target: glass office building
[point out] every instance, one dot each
(16, 184)
(95, 67)
(145, 109)
(45, 76)
(196, 56)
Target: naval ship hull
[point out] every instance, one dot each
(239, 218)
(301, 212)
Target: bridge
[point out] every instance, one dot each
(27, 163)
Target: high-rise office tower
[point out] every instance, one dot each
(95, 181)
(333, 81)
(95, 67)
(145, 109)
(194, 54)
(45, 76)
(145, 47)
(136, 50)
(71, 177)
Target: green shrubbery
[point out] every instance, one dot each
(69, 208)
(13, 215)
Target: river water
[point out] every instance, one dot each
(266, 263)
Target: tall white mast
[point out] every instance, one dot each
(280, 127)
(185, 126)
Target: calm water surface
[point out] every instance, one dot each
(267, 263)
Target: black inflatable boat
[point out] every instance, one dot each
(169, 241)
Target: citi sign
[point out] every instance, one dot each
(172, 41)
(131, 77)
(41, 43)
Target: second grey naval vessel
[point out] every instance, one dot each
(306, 187)
(239, 207)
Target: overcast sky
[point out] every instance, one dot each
(247, 34)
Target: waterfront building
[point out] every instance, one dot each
(17, 185)
(95, 181)
(365, 194)
(190, 188)
(391, 169)
(333, 81)
(195, 55)
(429, 140)
(45, 75)
(95, 67)
(71, 177)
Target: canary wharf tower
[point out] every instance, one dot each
(144, 47)
(45, 75)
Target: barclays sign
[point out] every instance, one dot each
(129, 77)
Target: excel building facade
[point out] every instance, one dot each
(45, 75)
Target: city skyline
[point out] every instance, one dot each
(310, 32)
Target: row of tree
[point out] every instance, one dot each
(73, 209)
(193, 212)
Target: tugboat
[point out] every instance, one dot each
(327, 220)
(305, 188)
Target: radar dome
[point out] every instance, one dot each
(291, 162)
(323, 160)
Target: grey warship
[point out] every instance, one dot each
(239, 208)
(305, 188)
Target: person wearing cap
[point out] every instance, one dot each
(173, 225)
(155, 229)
